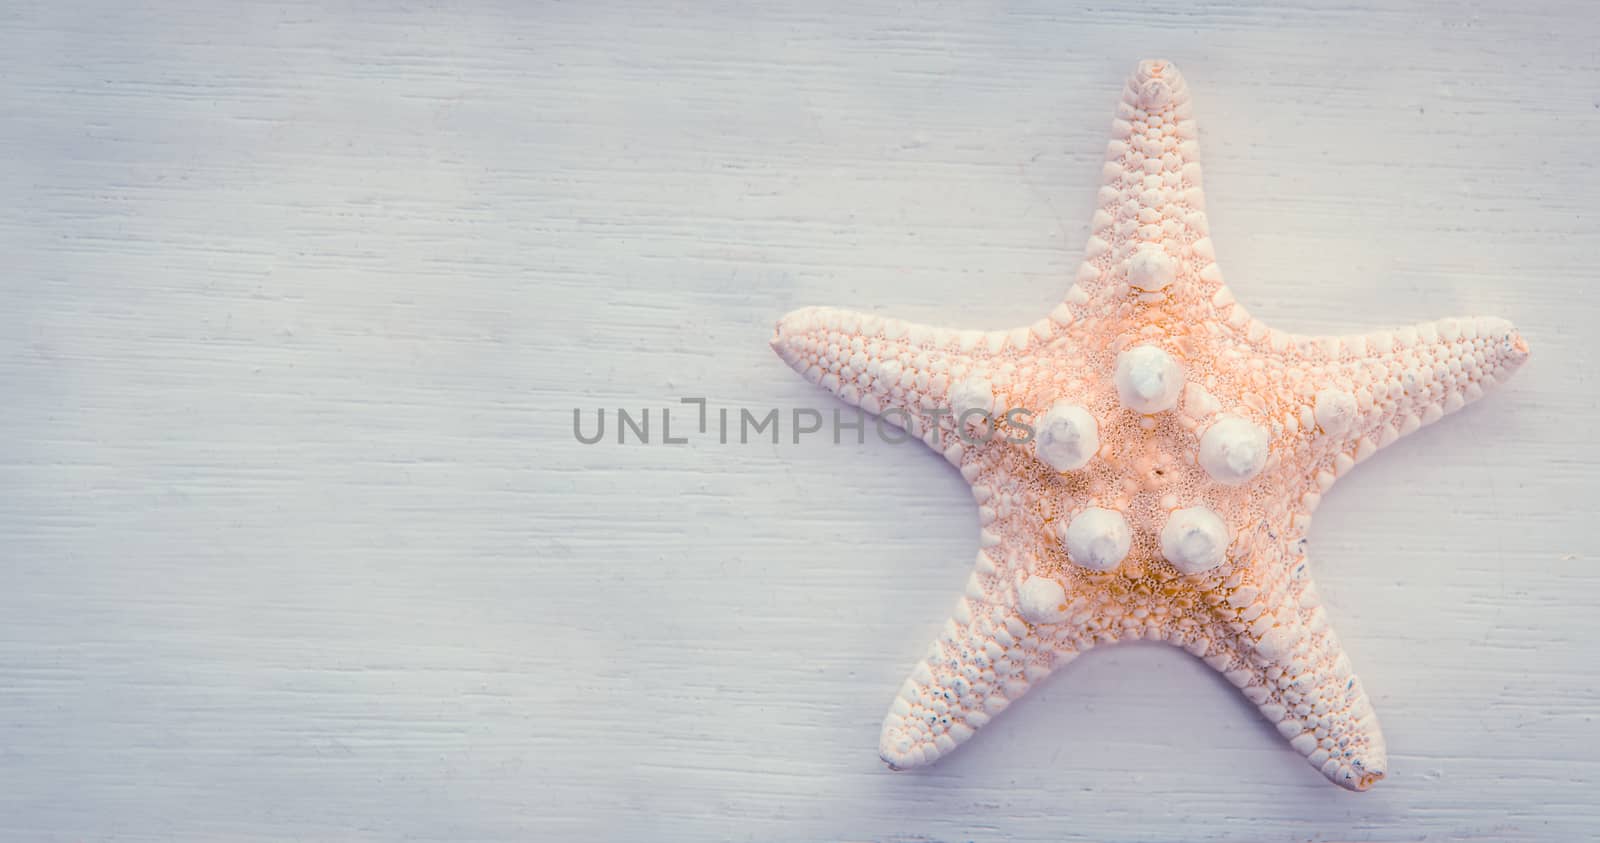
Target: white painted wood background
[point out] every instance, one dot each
(297, 300)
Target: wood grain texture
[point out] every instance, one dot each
(299, 298)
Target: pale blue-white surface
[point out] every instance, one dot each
(296, 541)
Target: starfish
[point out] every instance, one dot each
(1146, 458)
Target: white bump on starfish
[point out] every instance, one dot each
(1151, 269)
(1194, 540)
(1066, 436)
(1148, 379)
(1326, 402)
(969, 398)
(1042, 600)
(1233, 450)
(1098, 539)
(1335, 411)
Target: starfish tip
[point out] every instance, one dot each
(1156, 86)
(1363, 782)
(1150, 68)
(790, 331)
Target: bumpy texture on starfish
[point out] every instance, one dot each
(1183, 447)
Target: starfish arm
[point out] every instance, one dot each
(1279, 650)
(904, 372)
(1375, 388)
(1149, 227)
(987, 657)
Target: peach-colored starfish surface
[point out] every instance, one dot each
(1146, 459)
